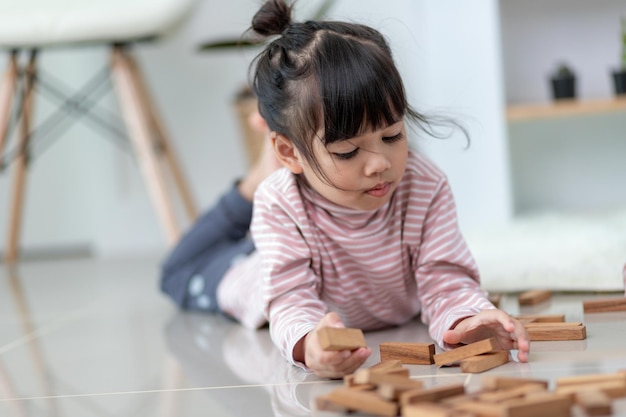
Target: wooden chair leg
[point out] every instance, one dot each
(163, 144)
(7, 90)
(21, 162)
(140, 134)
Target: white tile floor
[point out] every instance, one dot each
(84, 338)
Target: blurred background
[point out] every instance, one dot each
(478, 61)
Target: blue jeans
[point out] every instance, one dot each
(193, 270)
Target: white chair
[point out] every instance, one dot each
(31, 26)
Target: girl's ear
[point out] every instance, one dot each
(287, 153)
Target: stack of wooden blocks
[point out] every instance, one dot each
(386, 389)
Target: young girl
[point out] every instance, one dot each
(358, 230)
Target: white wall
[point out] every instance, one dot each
(538, 35)
(449, 56)
(84, 191)
(571, 163)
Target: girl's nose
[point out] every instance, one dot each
(377, 162)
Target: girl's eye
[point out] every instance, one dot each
(347, 155)
(394, 138)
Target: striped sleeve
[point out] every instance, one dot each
(290, 288)
(447, 275)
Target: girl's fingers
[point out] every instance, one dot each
(343, 363)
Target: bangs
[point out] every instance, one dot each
(361, 89)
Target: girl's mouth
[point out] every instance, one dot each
(380, 190)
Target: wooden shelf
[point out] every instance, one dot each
(564, 108)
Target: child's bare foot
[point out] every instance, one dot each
(265, 164)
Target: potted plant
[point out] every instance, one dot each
(244, 101)
(619, 75)
(563, 83)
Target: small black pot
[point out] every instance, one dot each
(619, 81)
(563, 87)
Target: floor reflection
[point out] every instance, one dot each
(28, 329)
(213, 351)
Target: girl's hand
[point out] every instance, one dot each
(331, 364)
(508, 332)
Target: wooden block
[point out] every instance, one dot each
(548, 404)
(481, 363)
(365, 401)
(433, 410)
(349, 382)
(383, 366)
(391, 386)
(386, 364)
(457, 399)
(564, 324)
(604, 305)
(595, 403)
(510, 393)
(373, 376)
(502, 382)
(473, 349)
(590, 379)
(556, 331)
(482, 409)
(431, 394)
(612, 388)
(336, 338)
(542, 318)
(533, 297)
(408, 353)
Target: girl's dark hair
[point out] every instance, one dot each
(328, 78)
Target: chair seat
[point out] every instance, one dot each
(40, 23)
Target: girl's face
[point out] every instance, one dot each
(363, 171)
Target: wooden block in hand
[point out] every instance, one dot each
(339, 338)
(605, 305)
(409, 353)
(473, 349)
(486, 361)
(533, 297)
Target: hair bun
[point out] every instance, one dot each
(272, 18)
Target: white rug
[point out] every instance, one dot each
(554, 251)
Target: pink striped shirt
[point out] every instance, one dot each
(375, 269)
